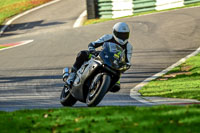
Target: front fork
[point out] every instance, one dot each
(65, 74)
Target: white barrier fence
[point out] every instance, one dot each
(167, 4)
(120, 8)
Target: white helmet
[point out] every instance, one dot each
(121, 32)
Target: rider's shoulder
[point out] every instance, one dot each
(129, 46)
(107, 37)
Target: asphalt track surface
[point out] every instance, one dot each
(31, 75)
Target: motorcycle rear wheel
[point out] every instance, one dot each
(66, 99)
(98, 89)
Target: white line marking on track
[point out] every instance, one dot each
(134, 91)
(80, 20)
(21, 43)
(25, 13)
(20, 97)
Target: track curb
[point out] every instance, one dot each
(134, 92)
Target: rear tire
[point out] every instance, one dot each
(98, 89)
(66, 99)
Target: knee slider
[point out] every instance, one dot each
(115, 88)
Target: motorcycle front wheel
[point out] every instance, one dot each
(66, 99)
(98, 89)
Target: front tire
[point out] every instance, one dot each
(66, 99)
(98, 89)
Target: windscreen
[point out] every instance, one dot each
(113, 55)
(114, 48)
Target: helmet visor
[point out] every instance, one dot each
(121, 35)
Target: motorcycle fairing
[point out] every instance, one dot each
(86, 70)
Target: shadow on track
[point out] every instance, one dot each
(26, 26)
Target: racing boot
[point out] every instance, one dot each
(116, 87)
(72, 76)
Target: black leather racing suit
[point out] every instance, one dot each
(84, 55)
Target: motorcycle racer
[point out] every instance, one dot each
(119, 36)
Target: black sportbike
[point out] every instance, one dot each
(95, 77)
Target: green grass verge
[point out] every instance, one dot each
(2, 47)
(9, 8)
(181, 82)
(94, 21)
(157, 119)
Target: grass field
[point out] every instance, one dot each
(181, 82)
(9, 8)
(157, 119)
